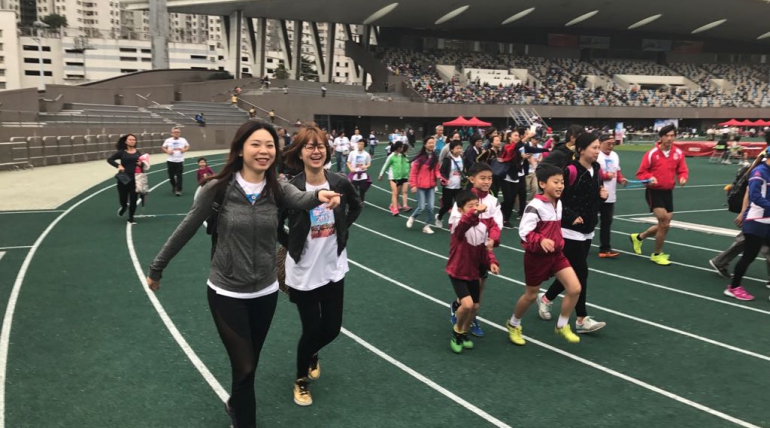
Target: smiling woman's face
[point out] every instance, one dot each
(259, 151)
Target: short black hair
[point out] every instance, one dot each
(574, 131)
(546, 170)
(474, 138)
(666, 129)
(454, 144)
(479, 167)
(464, 197)
(201, 159)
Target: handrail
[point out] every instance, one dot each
(160, 105)
(265, 111)
(228, 92)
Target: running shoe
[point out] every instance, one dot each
(589, 325)
(393, 210)
(467, 343)
(439, 224)
(739, 293)
(406, 208)
(410, 222)
(567, 334)
(121, 211)
(507, 224)
(302, 395)
(476, 328)
(636, 242)
(660, 259)
(456, 343)
(314, 371)
(515, 334)
(453, 312)
(231, 414)
(543, 309)
(609, 254)
(722, 271)
(131, 221)
(426, 230)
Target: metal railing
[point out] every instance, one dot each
(267, 112)
(146, 98)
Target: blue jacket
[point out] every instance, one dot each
(757, 216)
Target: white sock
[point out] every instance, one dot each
(562, 321)
(514, 321)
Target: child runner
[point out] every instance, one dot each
(452, 173)
(480, 176)
(541, 237)
(372, 143)
(358, 163)
(422, 180)
(317, 259)
(609, 164)
(469, 258)
(397, 166)
(583, 194)
(204, 171)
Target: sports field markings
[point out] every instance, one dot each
(10, 309)
(675, 212)
(601, 308)
(2, 254)
(31, 212)
(576, 358)
(20, 247)
(692, 227)
(186, 172)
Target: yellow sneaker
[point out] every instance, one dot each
(515, 334)
(314, 371)
(302, 395)
(660, 259)
(567, 334)
(636, 242)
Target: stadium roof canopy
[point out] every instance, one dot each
(723, 19)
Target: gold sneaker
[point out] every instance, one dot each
(314, 372)
(302, 395)
(567, 334)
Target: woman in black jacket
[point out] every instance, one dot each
(316, 261)
(582, 197)
(128, 156)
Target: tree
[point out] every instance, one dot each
(55, 21)
(280, 72)
(307, 69)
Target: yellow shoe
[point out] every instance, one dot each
(515, 334)
(314, 371)
(660, 259)
(302, 395)
(567, 334)
(636, 242)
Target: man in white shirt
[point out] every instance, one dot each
(341, 150)
(609, 168)
(355, 138)
(175, 147)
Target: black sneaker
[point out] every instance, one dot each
(722, 271)
(131, 221)
(507, 224)
(231, 414)
(121, 211)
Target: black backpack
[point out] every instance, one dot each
(738, 190)
(212, 220)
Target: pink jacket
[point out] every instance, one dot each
(421, 175)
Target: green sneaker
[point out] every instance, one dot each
(467, 343)
(660, 259)
(456, 343)
(515, 334)
(636, 243)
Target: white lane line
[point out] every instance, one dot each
(180, 340)
(678, 188)
(576, 358)
(20, 247)
(688, 226)
(159, 215)
(10, 309)
(411, 372)
(31, 212)
(2, 254)
(675, 212)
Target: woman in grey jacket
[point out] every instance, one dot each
(242, 283)
(317, 260)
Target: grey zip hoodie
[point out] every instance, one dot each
(244, 261)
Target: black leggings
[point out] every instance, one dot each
(576, 253)
(320, 311)
(509, 195)
(243, 325)
(751, 249)
(362, 187)
(496, 185)
(606, 212)
(447, 200)
(175, 170)
(127, 196)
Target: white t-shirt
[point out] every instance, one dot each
(252, 191)
(610, 163)
(359, 159)
(355, 139)
(319, 263)
(455, 174)
(341, 144)
(176, 145)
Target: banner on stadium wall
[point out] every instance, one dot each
(660, 123)
(655, 45)
(620, 132)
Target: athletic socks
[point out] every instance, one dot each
(456, 331)
(562, 321)
(515, 322)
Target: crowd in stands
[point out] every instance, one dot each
(561, 81)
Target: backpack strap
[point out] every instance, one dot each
(213, 220)
(572, 170)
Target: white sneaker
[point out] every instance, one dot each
(428, 230)
(439, 223)
(410, 222)
(543, 309)
(589, 325)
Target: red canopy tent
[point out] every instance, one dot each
(475, 121)
(746, 123)
(731, 122)
(460, 121)
(761, 122)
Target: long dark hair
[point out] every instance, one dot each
(121, 144)
(423, 156)
(235, 159)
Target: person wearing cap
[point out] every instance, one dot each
(609, 164)
(663, 166)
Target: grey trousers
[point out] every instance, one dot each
(724, 258)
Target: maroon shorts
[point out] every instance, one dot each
(540, 268)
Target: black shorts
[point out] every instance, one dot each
(483, 272)
(660, 199)
(466, 288)
(400, 181)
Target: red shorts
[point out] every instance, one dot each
(540, 268)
